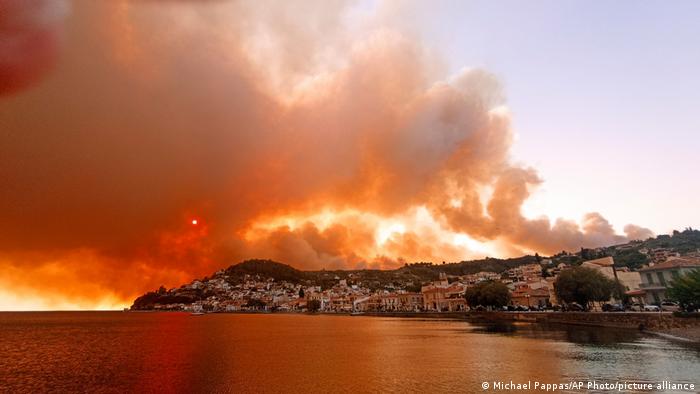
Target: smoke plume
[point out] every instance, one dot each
(306, 132)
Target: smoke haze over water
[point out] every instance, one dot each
(312, 133)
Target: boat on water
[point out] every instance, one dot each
(357, 313)
(197, 313)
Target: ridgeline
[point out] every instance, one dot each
(410, 277)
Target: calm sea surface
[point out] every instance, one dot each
(116, 352)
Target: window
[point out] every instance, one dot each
(649, 278)
(661, 278)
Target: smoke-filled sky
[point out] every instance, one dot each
(150, 142)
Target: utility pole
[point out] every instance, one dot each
(618, 287)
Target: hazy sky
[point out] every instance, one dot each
(603, 96)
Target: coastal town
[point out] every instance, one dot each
(257, 286)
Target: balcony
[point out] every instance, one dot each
(652, 286)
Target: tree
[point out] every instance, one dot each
(619, 291)
(587, 254)
(413, 288)
(256, 304)
(686, 290)
(313, 305)
(488, 293)
(583, 285)
(630, 258)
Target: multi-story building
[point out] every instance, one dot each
(410, 301)
(658, 277)
(528, 296)
(339, 303)
(440, 296)
(370, 303)
(531, 271)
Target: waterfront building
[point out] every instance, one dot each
(401, 302)
(440, 296)
(658, 277)
(389, 302)
(371, 303)
(340, 303)
(527, 296)
(410, 302)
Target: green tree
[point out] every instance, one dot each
(583, 286)
(588, 254)
(313, 305)
(686, 290)
(630, 258)
(488, 293)
(256, 304)
(413, 288)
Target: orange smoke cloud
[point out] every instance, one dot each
(290, 134)
(30, 32)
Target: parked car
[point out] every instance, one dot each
(613, 308)
(651, 308)
(574, 307)
(670, 306)
(636, 307)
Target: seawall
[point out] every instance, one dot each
(649, 321)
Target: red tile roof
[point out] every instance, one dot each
(523, 291)
(677, 262)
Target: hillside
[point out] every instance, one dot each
(410, 277)
(264, 269)
(637, 253)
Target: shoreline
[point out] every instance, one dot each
(686, 331)
(688, 334)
